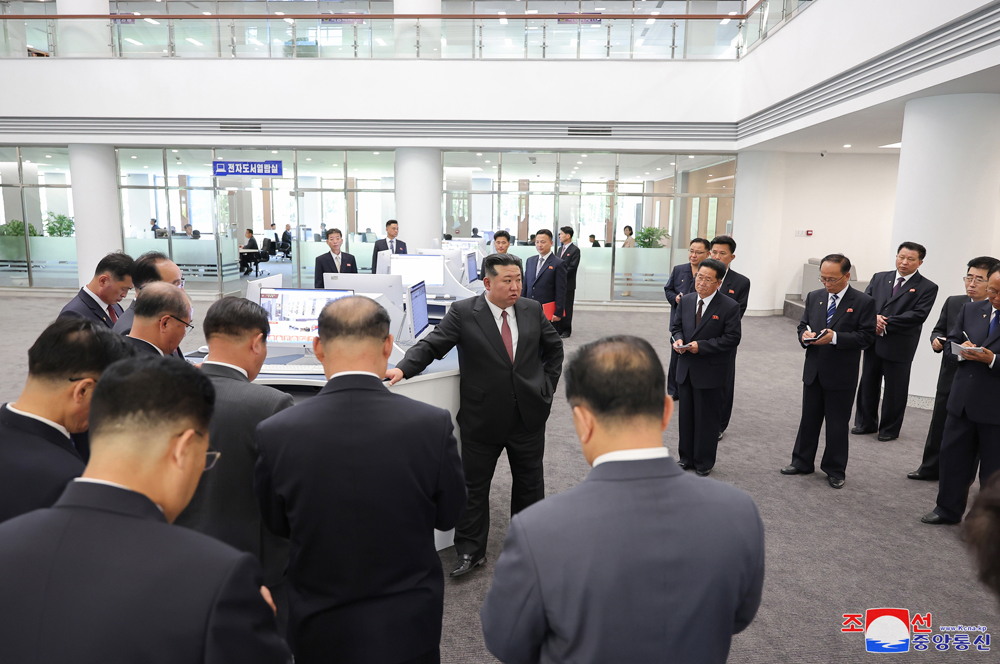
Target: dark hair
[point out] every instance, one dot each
(703, 241)
(617, 377)
(390, 222)
(983, 263)
(189, 226)
(568, 230)
(493, 261)
(501, 234)
(118, 264)
(272, 223)
(593, 237)
(714, 264)
(235, 317)
(72, 347)
(331, 231)
(981, 533)
(150, 392)
(840, 259)
(726, 240)
(144, 270)
(358, 316)
(628, 227)
(544, 231)
(250, 230)
(447, 236)
(154, 303)
(913, 246)
(475, 230)
(993, 270)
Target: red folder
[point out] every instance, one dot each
(549, 308)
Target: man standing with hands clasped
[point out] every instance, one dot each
(737, 287)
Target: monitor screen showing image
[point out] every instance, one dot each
(294, 313)
(414, 268)
(471, 267)
(418, 308)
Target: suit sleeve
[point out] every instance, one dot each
(572, 261)
(864, 336)
(252, 243)
(670, 290)
(754, 585)
(318, 281)
(870, 290)
(561, 276)
(375, 258)
(550, 348)
(241, 626)
(401, 246)
(436, 345)
(451, 494)
(941, 327)
(524, 276)
(353, 268)
(732, 331)
(513, 616)
(955, 335)
(744, 297)
(916, 316)
(804, 321)
(272, 506)
(677, 329)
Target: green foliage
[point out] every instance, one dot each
(649, 237)
(15, 227)
(58, 225)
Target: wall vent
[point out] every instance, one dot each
(589, 131)
(240, 127)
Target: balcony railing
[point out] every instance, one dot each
(438, 36)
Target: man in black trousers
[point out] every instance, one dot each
(837, 324)
(737, 287)
(510, 359)
(706, 332)
(903, 301)
(545, 277)
(975, 291)
(569, 254)
(358, 478)
(681, 282)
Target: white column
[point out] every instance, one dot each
(757, 224)
(95, 204)
(86, 38)
(947, 198)
(418, 196)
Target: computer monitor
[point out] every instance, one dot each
(390, 285)
(417, 310)
(471, 267)
(254, 286)
(414, 268)
(293, 313)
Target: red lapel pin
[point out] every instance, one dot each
(551, 268)
(715, 318)
(913, 290)
(850, 311)
(732, 291)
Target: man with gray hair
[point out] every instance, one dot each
(162, 317)
(359, 497)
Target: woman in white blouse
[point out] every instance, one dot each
(629, 243)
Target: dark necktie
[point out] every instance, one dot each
(895, 289)
(392, 246)
(697, 316)
(508, 340)
(832, 310)
(995, 322)
(111, 312)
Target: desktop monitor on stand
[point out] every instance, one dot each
(414, 268)
(293, 313)
(471, 267)
(417, 321)
(254, 286)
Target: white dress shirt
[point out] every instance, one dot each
(836, 305)
(638, 454)
(511, 322)
(100, 303)
(336, 259)
(355, 373)
(707, 301)
(226, 364)
(58, 427)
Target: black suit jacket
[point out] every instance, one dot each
(736, 286)
(251, 243)
(718, 335)
(286, 238)
(325, 263)
(906, 313)
(224, 505)
(36, 462)
(596, 244)
(84, 306)
(383, 245)
(836, 366)
(976, 390)
(550, 285)
(680, 283)
(358, 478)
(142, 346)
(946, 321)
(102, 577)
(124, 323)
(490, 384)
(572, 261)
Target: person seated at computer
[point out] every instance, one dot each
(475, 232)
(336, 261)
(162, 318)
(188, 230)
(245, 257)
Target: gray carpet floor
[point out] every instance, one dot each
(828, 552)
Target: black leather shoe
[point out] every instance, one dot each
(935, 520)
(858, 431)
(721, 434)
(917, 475)
(883, 438)
(835, 483)
(703, 473)
(792, 470)
(676, 398)
(466, 565)
(684, 465)
(564, 335)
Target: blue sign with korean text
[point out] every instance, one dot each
(271, 168)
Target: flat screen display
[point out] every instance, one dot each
(418, 308)
(471, 267)
(293, 313)
(414, 268)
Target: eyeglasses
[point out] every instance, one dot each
(831, 280)
(704, 280)
(977, 280)
(188, 325)
(991, 292)
(212, 458)
(908, 259)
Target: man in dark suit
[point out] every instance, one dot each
(972, 430)
(152, 266)
(37, 455)
(594, 242)
(583, 574)
(681, 282)
(102, 576)
(247, 257)
(336, 261)
(545, 277)
(975, 291)
(390, 242)
(285, 246)
(501, 243)
(737, 287)
(359, 497)
(903, 301)
(98, 300)
(510, 359)
(224, 506)
(837, 324)
(706, 332)
(569, 254)
(162, 317)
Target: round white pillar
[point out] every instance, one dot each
(86, 38)
(947, 198)
(418, 196)
(757, 223)
(95, 205)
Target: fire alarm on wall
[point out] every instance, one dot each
(803, 233)
(808, 233)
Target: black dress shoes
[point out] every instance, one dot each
(858, 431)
(564, 335)
(835, 483)
(917, 475)
(935, 520)
(684, 465)
(721, 434)
(883, 438)
(466, 565)
(792, 470)
(703, 473)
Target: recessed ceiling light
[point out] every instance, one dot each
(145, 166)
(479, 154)
(672, 164)
(374, 152)
(691, 157)
(579, 162)
(847, 145)
(173, 150)
(583, 155)
(647, 173)
(659, 169)
(308, 158)
(274, 152)
(488, 161)
(134, 157)
(709, 175)
(48, 156)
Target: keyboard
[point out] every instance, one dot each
(292, 369)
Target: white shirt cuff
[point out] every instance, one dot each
(834, 342)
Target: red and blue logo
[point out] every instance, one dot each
(887, 630)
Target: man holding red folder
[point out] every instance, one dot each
(545, 278)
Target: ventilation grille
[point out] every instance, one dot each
(589, 131)
(240, 127)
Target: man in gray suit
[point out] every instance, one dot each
(224, 505)
(641, 562)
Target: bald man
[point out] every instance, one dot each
(162, 317)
